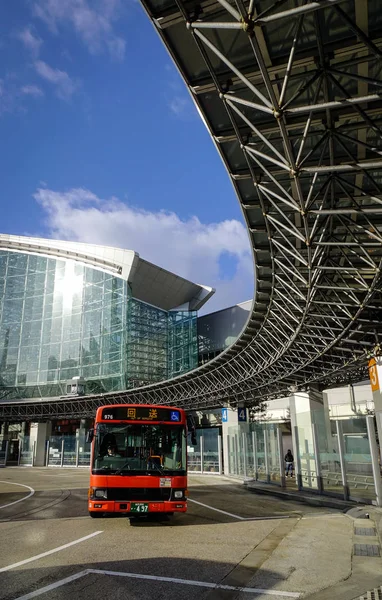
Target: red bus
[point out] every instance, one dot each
(138, 460)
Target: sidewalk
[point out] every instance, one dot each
(319, 558)
(325, 556)
(366, 571)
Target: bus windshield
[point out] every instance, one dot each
(135, 449)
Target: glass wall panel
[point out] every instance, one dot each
(26, 449)
(358, 466)
(160, 344)
(182, 343)
(273, 453)
(328, 455)
(236, 451)
(55, 447)
(258, 429)
(211, 450)
(253, 451)
(60, 319)
(305, 444)
(70, 450)
(194, 455)
(84, 455)
(3, 450)
(54, 315)
(357, 457)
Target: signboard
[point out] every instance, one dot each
(242, 415)
(373, 374)
(140, 413)
(224, 415)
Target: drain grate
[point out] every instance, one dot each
(364, 531)
(375, 594)
(366, 550)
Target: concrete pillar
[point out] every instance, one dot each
(375, 374)
(39, 433)
(306, 409)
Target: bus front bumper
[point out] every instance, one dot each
(110, 506)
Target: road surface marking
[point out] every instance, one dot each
(217, 509)
(38, 556)
(190, 582)
(243, 518)
(53, 586)
(21, 499)
(327, 516)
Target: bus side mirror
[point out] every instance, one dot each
(90, 436)
(194, 441)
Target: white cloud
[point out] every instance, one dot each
(32, 90)
(180, 105)
(92, 20)
(30, 41)
(189, 248)
(117, 48)
(64, 85)
(10, 97)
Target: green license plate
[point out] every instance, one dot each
(139, 507)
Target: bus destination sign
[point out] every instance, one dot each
(140, 413)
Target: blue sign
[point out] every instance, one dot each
(175, 415)
(242, 415)
(224, 415)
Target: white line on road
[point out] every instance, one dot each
(327, 516)
(191, 582)
(38, 556)
(217, 510)
(243, 518)
(53, 586)
(21, 499)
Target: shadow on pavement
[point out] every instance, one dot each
(207, 574)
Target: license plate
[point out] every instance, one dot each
(139, 507)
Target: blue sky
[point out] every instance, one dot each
(101, 143)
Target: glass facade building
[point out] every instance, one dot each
(61, 318)
(160, 344)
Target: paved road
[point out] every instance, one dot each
(50, 548)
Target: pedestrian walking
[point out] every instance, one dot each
(289, 464)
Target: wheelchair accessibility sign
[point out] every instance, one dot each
(175, 415)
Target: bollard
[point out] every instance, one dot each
(47, 453)
(254, 446)
(20, 452)
(62, 451)
(6, 453)
(316, 449)
(281, 455)
(220, 455)
(341, 449)
(266, 456)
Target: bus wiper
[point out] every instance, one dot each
(159, 469)
(119, 472)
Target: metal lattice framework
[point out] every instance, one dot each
(291, 92)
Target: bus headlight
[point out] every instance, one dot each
(100, 494)
(178, 494)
